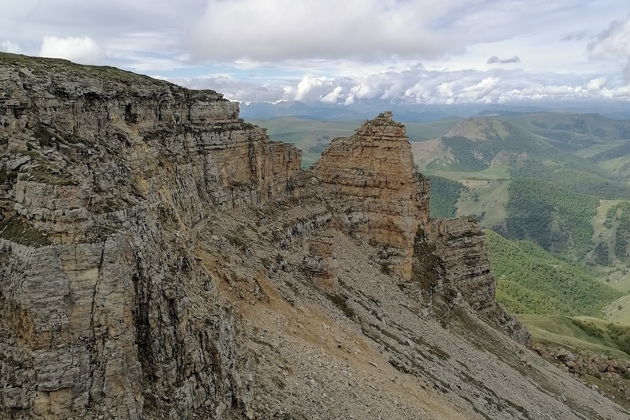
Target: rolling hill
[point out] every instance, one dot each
(542, 177)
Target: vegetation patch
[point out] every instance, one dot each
(471, 156)
(44, 137)
(580, 333)
(444, 196)
(7, 176)
(557, 219)
(15, 230)
(618, 218)
(48, 175)
(531, 280)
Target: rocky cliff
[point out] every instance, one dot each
(161, 258)
(383, 196)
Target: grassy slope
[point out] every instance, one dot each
(531, 280)
(485, 199)
(619, 166)
(579, 333)
(551, 297)
(559, 195)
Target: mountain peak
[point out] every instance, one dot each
(383, 127)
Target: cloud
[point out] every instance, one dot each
(575, 36)
(596, 84)
(325, 29)
(80, 49)
(496, 60)
(313, 88)
(334, 96)
(418, 85)
(242, 90)
(613, 44)
(342, 51)
(10, 47)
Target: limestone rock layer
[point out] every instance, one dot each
(373, 174)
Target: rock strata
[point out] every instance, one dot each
(461, 271)
(384, 198)
(120, 172)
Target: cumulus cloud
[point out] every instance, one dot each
(418, 85)
(10, 47)
(496, 60)
(79, 49)
(334, 96)
(359, 29)
(596, 84)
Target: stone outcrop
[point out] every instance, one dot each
(609, 375)
(97, 311)
(161, 258)
(459, 248)
(383, 196)
(451, 263)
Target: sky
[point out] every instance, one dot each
(344, 52)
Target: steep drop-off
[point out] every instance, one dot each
(161, 258)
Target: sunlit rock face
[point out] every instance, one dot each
(373, 173)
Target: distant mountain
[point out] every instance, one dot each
(410, 112)
(331, 112)
(554, 178)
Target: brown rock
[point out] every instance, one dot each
(372, 173)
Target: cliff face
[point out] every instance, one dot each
(110, 176)
(452, 261)
(160, 258)
(384, 198)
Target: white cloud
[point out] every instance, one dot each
(359, 29)
(79, 49)
(334, 96)
(10, 47)
(613, 42)
(417, 85)
(596, 84)
(480, 92)
(313, 88)
(348, 51)
(244, 91)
